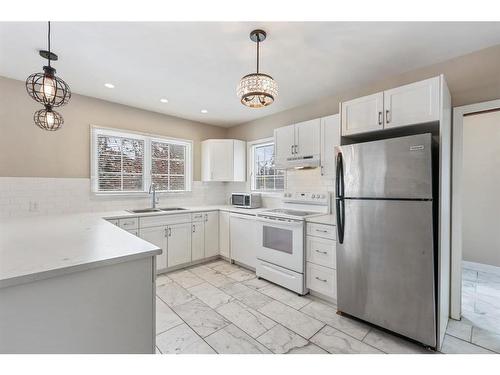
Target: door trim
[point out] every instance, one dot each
(456, 199)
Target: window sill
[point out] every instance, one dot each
(139, 194)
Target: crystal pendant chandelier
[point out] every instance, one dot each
(257, 90)
(49, 90)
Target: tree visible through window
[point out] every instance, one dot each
(168, 166)
(265, 175)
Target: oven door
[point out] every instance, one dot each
(281, 242)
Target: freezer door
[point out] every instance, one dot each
(391, 168)
(385, 266)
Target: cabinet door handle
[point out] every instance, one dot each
(194, 228)
(166, 232)
(387, 116)
(291, 149)
(321, 252)
(380, 117)
(169, 232)
(320, 279)
(296, 149)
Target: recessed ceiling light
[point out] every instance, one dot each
(109, 85)
(163, 100)
(204, 111)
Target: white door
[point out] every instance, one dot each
(363, 114)
(307, 137)
(284, 143)
(244, 239)
(157, 236)
(211, 233)
(330, 137)
(224, 239)
(221, 160)
(416, 103)
(197, 241)
(179, 244)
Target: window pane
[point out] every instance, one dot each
(177, 167)
(177, 183)
(132, 183)
(159, 166)
(159, 150)
(177, 151)
(279, 183)
(264, 170)
(110, 182)
(110, 163)
(109, 145)
(160, 181)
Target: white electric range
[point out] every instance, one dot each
(281, 231)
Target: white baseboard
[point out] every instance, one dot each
(481, 267)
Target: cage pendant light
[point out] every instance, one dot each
(48, 89)
(257, 90)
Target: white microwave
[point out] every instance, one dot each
(246, 200)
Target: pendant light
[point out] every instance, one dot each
(257, 90)
(48, 89)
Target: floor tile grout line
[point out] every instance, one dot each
(471, 343)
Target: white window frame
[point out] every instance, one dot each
(95, 131)
(251, 166)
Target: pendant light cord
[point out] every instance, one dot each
(48, 38)
(258, 41)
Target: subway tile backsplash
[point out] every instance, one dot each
(31, 196)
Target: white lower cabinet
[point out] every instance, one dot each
(179, 244)
(197, 241)
(224, 234)
(211, 233)
(322, 280)
(244, 239)
(157, 236)
(321, 260)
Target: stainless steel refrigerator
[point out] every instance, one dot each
(386, 234)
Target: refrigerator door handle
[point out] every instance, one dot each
(340, 219)
(339, 198)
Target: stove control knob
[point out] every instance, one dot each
(313, 196)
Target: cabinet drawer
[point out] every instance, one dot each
(113, 221)
(321, 251)
(321, 279)
(197, 216)
(321, 230)
(159, 220)
(129, 223)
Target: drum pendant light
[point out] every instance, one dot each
(257, 90)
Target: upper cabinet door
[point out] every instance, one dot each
(307, 137)
(416, 103)
(221, 160)
(284, 143)
(330, 137)
(363, 115)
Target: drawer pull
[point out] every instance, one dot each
(321, 252)
(322, 230)
(320, 279)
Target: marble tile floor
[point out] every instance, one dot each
(479, 328)
(218, 307)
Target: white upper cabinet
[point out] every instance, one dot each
(211, 233)
(363, 114)
(413, 104)
(284, 143)
(330, 137)
(179, 244)
(298, 145)
(307, 138)
(416, 103)
(223, 160)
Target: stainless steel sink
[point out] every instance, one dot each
(172, 209)
(144, 210)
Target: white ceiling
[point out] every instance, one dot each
(197, 65)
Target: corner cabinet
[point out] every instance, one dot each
(223, 160)
(416, 103)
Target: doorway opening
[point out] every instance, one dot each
(476, 226)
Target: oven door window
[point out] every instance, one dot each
(277, 239)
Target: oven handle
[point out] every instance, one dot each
(293, 223)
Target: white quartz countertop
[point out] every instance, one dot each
(40, 247)
(322, 219)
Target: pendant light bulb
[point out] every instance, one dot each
(49, 88)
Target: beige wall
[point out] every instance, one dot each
(471, 78)
(27, 151)
(481, 187)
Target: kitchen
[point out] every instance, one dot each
(167, 220)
